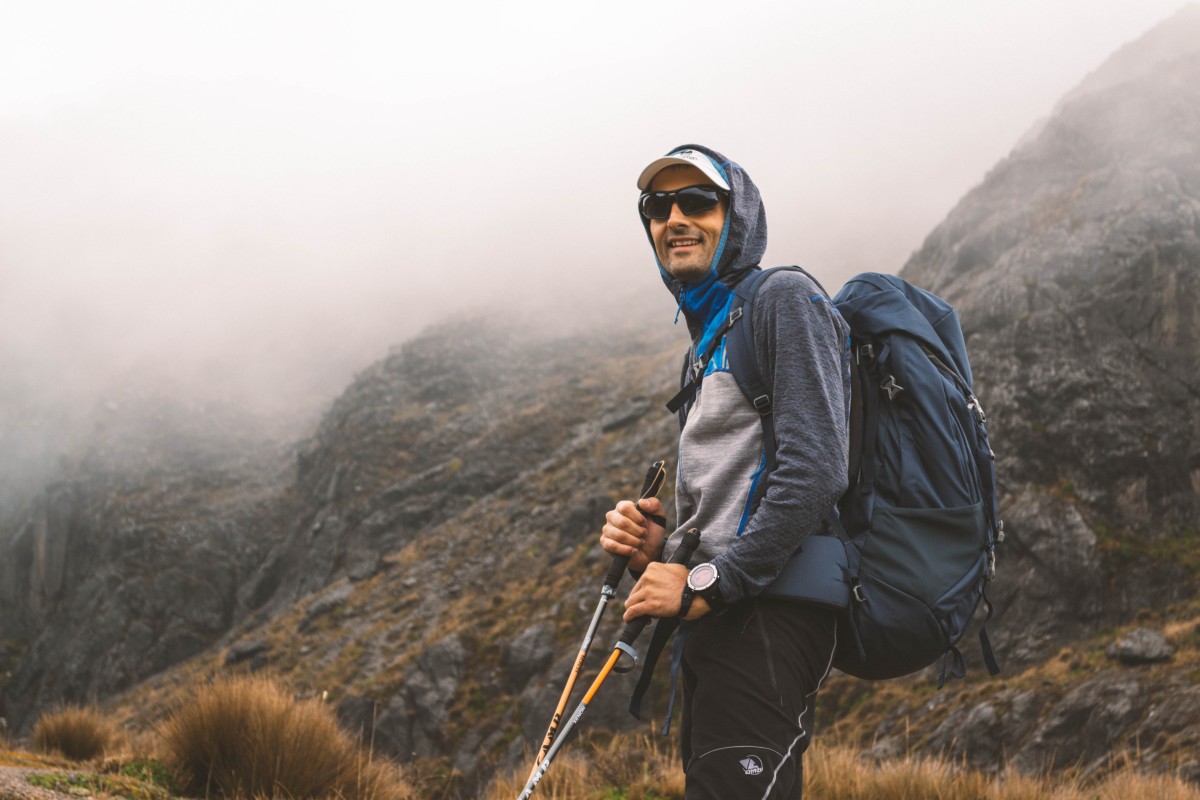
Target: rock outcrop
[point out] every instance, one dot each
(441, 422)
(1075, 267)
(130, 563)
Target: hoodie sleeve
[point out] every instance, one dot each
(800, 340)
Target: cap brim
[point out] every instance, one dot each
(690, 158)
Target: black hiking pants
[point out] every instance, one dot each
(750, 679)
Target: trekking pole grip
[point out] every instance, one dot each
(650, 487)
(691, 540)
(615, 570)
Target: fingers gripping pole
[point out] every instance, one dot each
(682, 554)
(655, 476)
(632, 629)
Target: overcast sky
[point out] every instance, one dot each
(273, 188)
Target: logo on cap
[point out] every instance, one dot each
(751, 765)
(687, 156)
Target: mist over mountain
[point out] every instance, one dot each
(426, 550)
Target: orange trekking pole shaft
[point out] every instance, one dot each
(624, 645)
(655, 477)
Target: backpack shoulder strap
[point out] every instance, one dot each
(739, 343)
(743, 363)
(743, 360)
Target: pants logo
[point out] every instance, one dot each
(751, 765)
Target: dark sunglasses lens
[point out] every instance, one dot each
(695, 199)
(657, 205)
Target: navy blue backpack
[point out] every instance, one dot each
(918, 523)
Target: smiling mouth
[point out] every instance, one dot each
(682, 243)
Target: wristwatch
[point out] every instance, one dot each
(703, 580)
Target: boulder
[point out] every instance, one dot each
(1141, 646)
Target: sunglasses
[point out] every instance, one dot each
(692, 200)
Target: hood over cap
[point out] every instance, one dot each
(743, 242)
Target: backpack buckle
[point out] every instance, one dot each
(698, 368)
(990, 575)
(977, 409)
(735, 315)
(866, 351)
(857, 591)
(762, 404)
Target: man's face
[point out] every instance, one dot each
(686, 245)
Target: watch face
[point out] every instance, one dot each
(702, 576)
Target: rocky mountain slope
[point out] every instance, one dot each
(428, 559)
(130, 560)
(1075, 266)
(454, 487)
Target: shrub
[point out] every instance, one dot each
(80, 734)
(245, 737)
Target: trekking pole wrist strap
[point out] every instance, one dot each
(685, 601)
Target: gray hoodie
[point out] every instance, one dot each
(802, 347)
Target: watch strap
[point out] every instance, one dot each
(685, 601)
(712, 596)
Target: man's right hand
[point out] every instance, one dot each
(628, 532)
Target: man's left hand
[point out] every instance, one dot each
(660, 592)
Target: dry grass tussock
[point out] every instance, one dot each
(79, 734)
(246, 737)
(837, 772)
(644, 768)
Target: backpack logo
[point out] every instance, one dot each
(751, 765)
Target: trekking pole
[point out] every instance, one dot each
(624, 645)
(655, 476)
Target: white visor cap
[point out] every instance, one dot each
(692, 158)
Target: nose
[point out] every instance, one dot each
(676, 217)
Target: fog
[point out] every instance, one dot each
(253, 200)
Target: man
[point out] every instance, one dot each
(751, 666)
